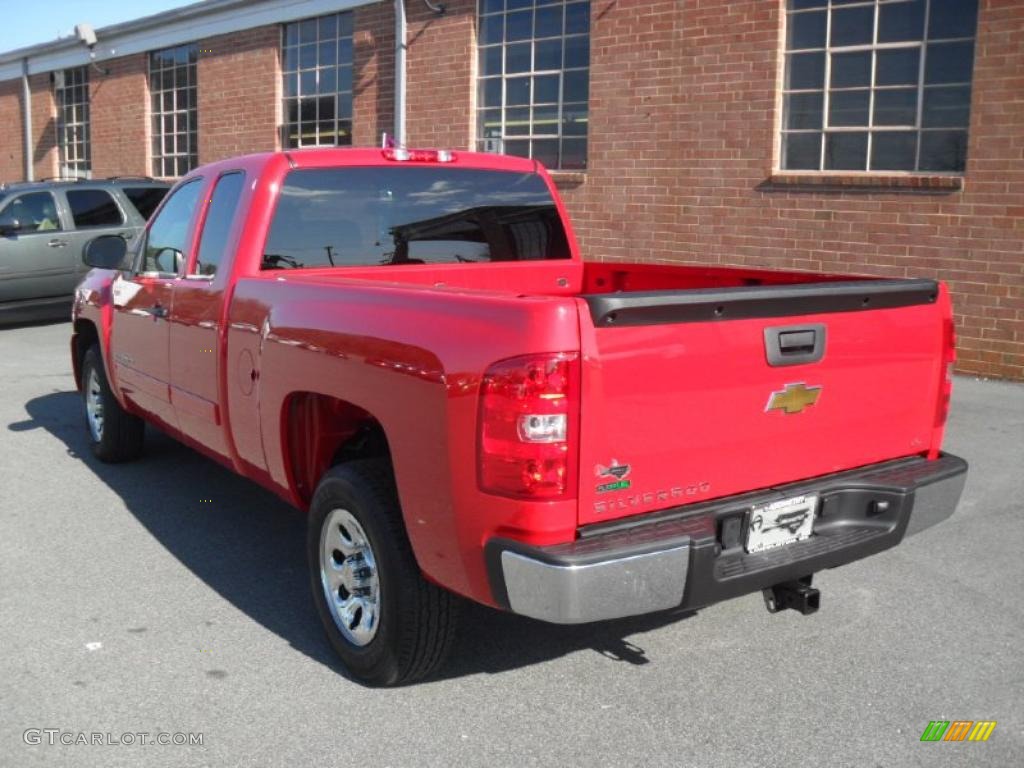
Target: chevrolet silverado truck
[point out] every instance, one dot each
(407, 346)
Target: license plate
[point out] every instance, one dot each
(781, 522)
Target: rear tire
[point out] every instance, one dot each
(114, 434)
(388, 624)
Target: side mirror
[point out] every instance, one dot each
(9, 226)
(106, 252)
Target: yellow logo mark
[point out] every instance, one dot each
(793, 398)
(982, 730)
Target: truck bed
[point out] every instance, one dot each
(567, 278)
(679, 374)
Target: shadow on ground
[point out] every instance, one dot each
(30, 318)
(226, 530)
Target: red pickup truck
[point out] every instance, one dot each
(407, 345)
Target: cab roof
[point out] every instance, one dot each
(330, 157)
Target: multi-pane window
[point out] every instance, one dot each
(878, 85)
(534, 79)
(71, 91)
(172, 85)
(317, 71)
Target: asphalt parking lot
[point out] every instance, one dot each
(131, 604)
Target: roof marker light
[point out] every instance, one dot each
(400, 154)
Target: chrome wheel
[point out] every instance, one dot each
(348, 572)
(94, 405)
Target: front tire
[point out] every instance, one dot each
(386, 622)
(114, 434)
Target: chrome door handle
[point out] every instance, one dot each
(157, 311)
(57, 243)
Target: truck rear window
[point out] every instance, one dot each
(412, 215)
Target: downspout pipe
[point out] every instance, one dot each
(26, 117)
(400, 48)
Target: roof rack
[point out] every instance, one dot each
(75, 180)
(15, 184)
(43, 180)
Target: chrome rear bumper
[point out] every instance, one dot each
(678, 558)
(610, 589)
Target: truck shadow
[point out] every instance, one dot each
(249, 547)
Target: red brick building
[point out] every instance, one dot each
(875, 136)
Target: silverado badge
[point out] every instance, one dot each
(616, 472)
(793, 398)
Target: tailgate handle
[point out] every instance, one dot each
(794, 344)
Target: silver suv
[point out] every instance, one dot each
(44, 226)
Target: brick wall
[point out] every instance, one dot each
(239, 93)
(373, 103)
(441, 66)
(44, 126)
(684, 110)
(980, 247)
(12, 164)
(683, 126)
(628, 208)
(44, 129)
(118, 114)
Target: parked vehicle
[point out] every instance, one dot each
(407, 345)
(43, 227)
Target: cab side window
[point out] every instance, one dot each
(31, 212)
(167, 238)
(219, 218)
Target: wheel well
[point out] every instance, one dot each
(85, 336)
(321, 431)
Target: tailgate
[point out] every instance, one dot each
(696, 395)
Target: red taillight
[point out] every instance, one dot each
(528, 420)
(945, 386)
(400, 154)
(949, 358)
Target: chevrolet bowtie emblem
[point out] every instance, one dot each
(793, 398)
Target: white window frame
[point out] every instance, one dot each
(75, 157)
(498, 144)
(184, 148)
(826, 90)
(340, 135)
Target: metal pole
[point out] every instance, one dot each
(26, 117)
(400, 46)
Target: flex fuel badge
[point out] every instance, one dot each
(614, 475)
